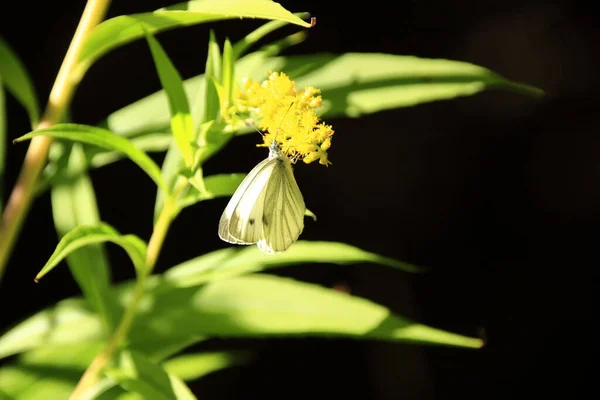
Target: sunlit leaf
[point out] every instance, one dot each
(100, 233)
(182, 125)
(67, 322)
(105, 139)
(153, 142)
(212, 73)
(126, 28)
(216, 186)
(49, 372)
(17, 81)
(2, 143)
(232, 261)
(73, 205)
(352, 84)
(138, 374)
(355, 84)
(192, 366)
(261, 305)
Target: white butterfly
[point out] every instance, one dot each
(267, 208)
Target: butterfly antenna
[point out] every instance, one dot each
(282, 119)
(250, 124)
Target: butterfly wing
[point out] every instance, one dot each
(283, 213)
(241, 221)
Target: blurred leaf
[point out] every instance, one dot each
(232, 261)
(242, 46)
(228, 77)
(138, 374)
(180, 309)
(126, 28)
(67, 322)
(352, 84)
(17, 81)
(182, 125)
(261, 305)
(151, 114)
(192, 366)
(169, 172)
(153, 142)
(105, 139)
(355, 84)
(2, 143)
(49, 372)
(216, 185)
(212, 73)
(74, 204)
(85, 235)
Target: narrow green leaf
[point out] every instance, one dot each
(228, 74)
(236, 261)
(17, 81)
(261, 305)
(212, 73)
(74, 204)
(182, 125)
(354, 84)
(105, 139)
(216, 186)
(85, 235)
(2, 143)
(169, 172)
(149, 143)
(151, 114)
(241, 47)
(126, 28)
(49, 372)
(67, 322)
(138, 374)
(192, 366)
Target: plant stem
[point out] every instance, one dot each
(90, 376)
(37, 154)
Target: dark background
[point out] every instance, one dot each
(497, 194)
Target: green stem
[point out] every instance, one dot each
(90, 376)
(60, 97)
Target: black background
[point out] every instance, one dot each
(497, 194)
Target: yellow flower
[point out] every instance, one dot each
(285, 114)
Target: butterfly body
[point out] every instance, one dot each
(267, 208)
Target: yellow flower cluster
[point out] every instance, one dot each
(286, 115)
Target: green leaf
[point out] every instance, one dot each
(230, 262)
(253, 37)
(152, 142)
(355, 84)
(216, 186)
(74, 204)
(261, 305)
(138, 374)
(182, 125)
(212, 73)
(352, 84)
(85, 235)
(126, 28)
(169, 173)
(101, 138)
(48, 372)
(2, 143)
(228, 74)
(17, 81)
(176, 303)
(192, 366)
(67, 322)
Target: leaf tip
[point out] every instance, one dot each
(313, 22)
